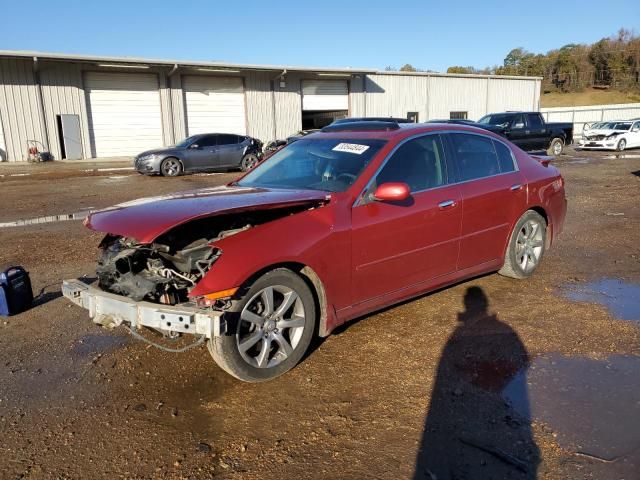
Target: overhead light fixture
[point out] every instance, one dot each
(223, 70)
(334, 74)
(120, 65)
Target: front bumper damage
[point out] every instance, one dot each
(606, 144)
(111, 310)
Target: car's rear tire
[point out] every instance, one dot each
(555, 147)
(171, 167)
(526, 246)
(622, 144)
(248, 162)
(268, 329)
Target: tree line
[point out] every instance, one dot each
(612, 62)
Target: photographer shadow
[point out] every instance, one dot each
(470, 431)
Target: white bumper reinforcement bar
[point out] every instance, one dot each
(110, 310)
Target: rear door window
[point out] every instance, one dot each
(227, 139)
(534, 120)
(475, 156)
(418, 162)
(206, 141)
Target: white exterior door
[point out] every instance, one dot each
(330, 95)
(214, 104)
(124, 113)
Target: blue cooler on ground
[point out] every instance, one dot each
(15, 291)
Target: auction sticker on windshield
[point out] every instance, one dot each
(351, 148)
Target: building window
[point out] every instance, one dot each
(412, 117)
(458, 115)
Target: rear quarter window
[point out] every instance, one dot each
(505, 157)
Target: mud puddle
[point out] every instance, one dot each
(591, 406)
(620, 297)
(578, 161)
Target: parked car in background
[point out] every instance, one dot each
(336, 225)
(277, 145)
(201, 153)
(371, 119)
(613, 135)
(529, 131)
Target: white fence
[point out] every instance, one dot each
(593, 113)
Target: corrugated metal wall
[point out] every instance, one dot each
(259, 104)
(382, 94)
(3, 148)
(19, 111)
(458, 94)
(590, 114)
(395, 95)
(513, 94)
(63, 93)
(288, 106)
(436, 96)
(179, 120)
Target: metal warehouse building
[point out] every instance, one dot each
(87, 106)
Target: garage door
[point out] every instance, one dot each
(214, 104)
(124, 113)
(325, 95)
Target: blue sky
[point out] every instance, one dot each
(346, 33)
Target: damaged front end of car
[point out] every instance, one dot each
(149, 283)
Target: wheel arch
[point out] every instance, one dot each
(543, 213)
(172, 156)
(326, 320)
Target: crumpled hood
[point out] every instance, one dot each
(146, 219)
(602, 131)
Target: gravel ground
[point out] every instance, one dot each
(499, 387)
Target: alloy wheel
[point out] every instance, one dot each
(171, 167)
(270, 327)
(557, 148)
(529, 245)
(622, 144)
(249, 162)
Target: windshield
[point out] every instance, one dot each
(500, 119)
(328, 164)
(622, 126)
(186, 142)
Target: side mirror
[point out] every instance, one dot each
(392, 192)
(518, 125)
(194, 146)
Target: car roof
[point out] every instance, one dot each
(400, 131)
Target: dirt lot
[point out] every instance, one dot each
(541, 382)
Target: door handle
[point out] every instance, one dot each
(516, 187)
(446, 204)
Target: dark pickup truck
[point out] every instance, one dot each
(529, 131)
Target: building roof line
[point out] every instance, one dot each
(241, 66)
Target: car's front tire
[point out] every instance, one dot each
(622, 144)
(171, 167)
(248, 162)
(268, 329)
(526, 246)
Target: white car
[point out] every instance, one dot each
(612, 135)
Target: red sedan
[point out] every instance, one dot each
(336, 225)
